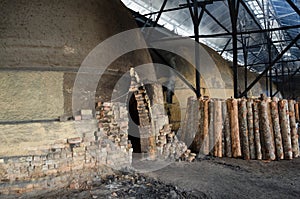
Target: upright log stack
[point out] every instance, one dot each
(243, 125)
(285, 129)
(248, 128)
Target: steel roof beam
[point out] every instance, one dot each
(284, 81)
(271, 65)
(249, 32)
(166, 10)
(160, 12)
(287, 61)
(215, 19)
(224, 49)
(291, 3)
(234, 10)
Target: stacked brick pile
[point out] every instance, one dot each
(38, 172)
(90, 151)
(169, 147)
(112, 132)
(147, 136)
(157, 138)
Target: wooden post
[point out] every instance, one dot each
(232, 105)
(285, 129)
(191, 121)
(256, 130)
(218, 128)
(250, 128)
(294, 134)
(277, 131)
(226, 130)
(266, 131)
(224, 110)
(198, 112)
(271, 125)
(185, 126)
(297, 112)
(211, 126)
(205, 147)
(244, 129)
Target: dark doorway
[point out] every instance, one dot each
(134, 122)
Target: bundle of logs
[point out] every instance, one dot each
(250, 128)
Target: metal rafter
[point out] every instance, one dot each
(224, 49)
(166, 10)
(160, 12)
(216, 20)
(271, 65)
(249, 32)
(284, 81)
(196, 18)
(293, 6)
(233, 9)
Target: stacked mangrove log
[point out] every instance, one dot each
(244, 128)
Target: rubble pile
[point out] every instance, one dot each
(124, 185)
(169, 147)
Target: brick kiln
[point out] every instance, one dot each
(45, 146)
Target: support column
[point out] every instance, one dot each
(233, 8)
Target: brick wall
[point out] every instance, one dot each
(82, 156)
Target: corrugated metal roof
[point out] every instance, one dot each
(268, 14)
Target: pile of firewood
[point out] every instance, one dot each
(249, 128)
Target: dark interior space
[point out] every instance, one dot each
(134, 134)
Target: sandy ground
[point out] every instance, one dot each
(235, 178)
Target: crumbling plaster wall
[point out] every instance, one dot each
(42, 45)
(27, 95)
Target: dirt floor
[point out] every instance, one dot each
(235, 178)
(206, 178)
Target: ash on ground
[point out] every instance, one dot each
(124, 185)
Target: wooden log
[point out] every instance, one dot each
(250, 128)
(201, 120)
(211, 127)
(232, 105)
(277, 131)
(197, 142)
(271, 124)
(218, 128)
(256, 130)
(182, 135)
(297, 112)
(192, 120)
(294, 134)
(285, 129)
(205, 147)
(223, 106)
(262, 140)
(226, 130)
(266, 131)
(244, 129)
